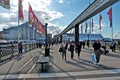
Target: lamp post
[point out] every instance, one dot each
(88, 41)
(46, 44)
(47, 51)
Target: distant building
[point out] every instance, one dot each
(25, 33)
(82, 37)
(1, 35)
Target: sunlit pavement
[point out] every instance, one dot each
(25, 68)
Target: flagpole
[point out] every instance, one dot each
(28, 24)
(100, 22)
(112, 24)
(18, 21)
(112, 32)
(90, 19)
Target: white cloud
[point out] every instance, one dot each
(54, 15)
(60, 1)
(117, 35)
(54, 28)
(96, 28)
(40, 7)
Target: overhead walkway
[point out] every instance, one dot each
(93, 9)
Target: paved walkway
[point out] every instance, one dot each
(73, 69)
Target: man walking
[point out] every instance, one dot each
(97, 50)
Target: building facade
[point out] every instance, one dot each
(22, 32)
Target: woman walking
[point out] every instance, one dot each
(71, 49)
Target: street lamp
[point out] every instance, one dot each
(46, 44)
(47, 51)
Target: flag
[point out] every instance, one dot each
(41, 29)
(81, 26)
(86, 27)
(35, 22)
(92, 24)
(110, 16)
(5, 3)
(31, 15)
(21, 17)
(100, 21)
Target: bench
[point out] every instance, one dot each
(43, 60)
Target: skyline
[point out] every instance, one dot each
(60, 14)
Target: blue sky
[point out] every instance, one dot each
(60, 13)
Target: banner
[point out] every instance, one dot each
(33, 20)
(110, 16)
(86, 27)
(41, 29)
(31, 15)
(100, 21)
(92, 24)
(21, 17)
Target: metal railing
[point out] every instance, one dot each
(10, 50)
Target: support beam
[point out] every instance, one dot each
(76, 33)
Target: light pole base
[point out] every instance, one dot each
(47, 51)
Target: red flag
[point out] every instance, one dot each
(5, 3)
(86, 27)
(21, 17)
(31, 15)
(92, 24)
(35, 22)
(100, 21)
(110, 16)
(41, 28)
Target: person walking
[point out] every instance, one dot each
(71, 49)
(113, 46)
(78, 48)
(20, 48)
(63, 47)
(103, 45)
(83, 43)
(97, 50)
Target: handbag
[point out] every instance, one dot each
(111, 47)
(60, 49)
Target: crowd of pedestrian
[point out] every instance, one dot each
(98, 46)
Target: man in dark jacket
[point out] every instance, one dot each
(78, 48)
(97, 51)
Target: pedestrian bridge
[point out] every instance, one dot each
(93, 9)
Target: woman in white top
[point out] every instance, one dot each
(63, 46)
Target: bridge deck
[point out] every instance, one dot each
(25, 68)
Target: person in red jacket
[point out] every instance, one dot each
(20, 47)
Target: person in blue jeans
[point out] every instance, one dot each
(97, 52)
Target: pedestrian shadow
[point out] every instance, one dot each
(18, 58)
(81, 63)
(76, 63)
(98, 66)
(113, 55)
(52, 69)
